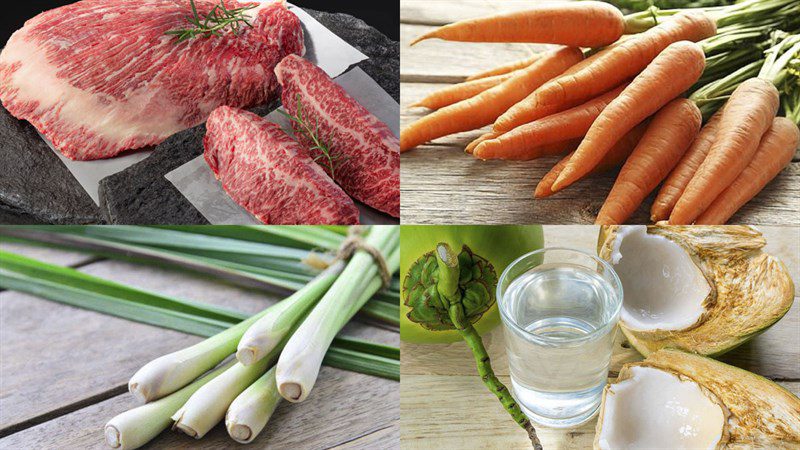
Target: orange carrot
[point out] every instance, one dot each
(662, 146)
(775, 152)
(676, 182)
(588, 24)
(485, 107)
(623, 61)
(461, 91)
(484, 137)
(505, 68)
(747, 116)
(521, 142)
(549, 149)
(671, 73)
(526, 110)
(613, 159)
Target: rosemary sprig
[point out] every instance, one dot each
(322, 149)
(214, 23)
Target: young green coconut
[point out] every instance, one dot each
(679, 400)
(449, 291)
(702, 289)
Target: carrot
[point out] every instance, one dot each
(775, 152)
(484, 137)
(677, 180)
(549, 149)
(526, 111)
(623, 61)
(461, 91)
(521, 142)
(747, 116)
(613, 159)
(588, 24)
(670, 133)
(674, 71)
(485, 107)
(505, 68)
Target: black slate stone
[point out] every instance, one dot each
(141, 195)
(35, 187)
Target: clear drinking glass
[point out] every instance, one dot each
(560, 309)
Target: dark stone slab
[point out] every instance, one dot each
(141, 194)
(35, 187)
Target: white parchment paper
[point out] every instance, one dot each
(196, 181)
(323, 48)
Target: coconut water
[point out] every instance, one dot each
(560, 320)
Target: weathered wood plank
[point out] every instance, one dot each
(439, 183)
(452, 61)
(458, 412)
(344, 409)
(441, 12)
(103, 352)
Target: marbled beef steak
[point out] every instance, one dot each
(367, 152)
(270, 174)
(99, 77)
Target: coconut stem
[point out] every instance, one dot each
(447, 286)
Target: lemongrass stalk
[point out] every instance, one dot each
(206, 407)
(173, 371)
(267, 332)
(299, 363)
(249, 413)
(138, 426)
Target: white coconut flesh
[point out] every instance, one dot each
(662, 286)
(654, 409)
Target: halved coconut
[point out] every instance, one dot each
(678, 400)
(703, 289)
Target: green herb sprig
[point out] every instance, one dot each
(326, 156)
(214, 23)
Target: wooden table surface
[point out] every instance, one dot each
(444, 404)
(65, 370)
(441, 184)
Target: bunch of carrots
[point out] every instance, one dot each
(612, 94)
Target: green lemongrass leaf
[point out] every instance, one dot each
(307, 237)
(77, 281)
(372, 348)
(362, 363)
(243, 274)
(186, 242)
(236, 273)
(75, 288)
(138, 312)
(383, 311)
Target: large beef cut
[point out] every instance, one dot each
(99, 77)
(366, 153)
(270, 174)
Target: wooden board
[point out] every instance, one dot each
(444, 404)
(65, 370)
(440, 184)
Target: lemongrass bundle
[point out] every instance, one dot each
(300, 361)
(171, 372)
(138, 426)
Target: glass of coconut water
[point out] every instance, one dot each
(560, 309)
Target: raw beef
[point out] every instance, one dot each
(99, 77)
(368, 165)
(270, 174)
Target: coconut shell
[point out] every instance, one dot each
(758, 412)
(750, 289)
